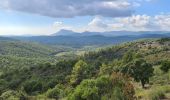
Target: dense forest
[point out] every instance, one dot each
(128, 71)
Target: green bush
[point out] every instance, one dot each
(33, 86)
(53, 93)
(165, 66)
(87, 90)
(56, 93)
(13, 95)
(114, 87)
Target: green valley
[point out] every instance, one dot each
(128, 71)
(84, 50)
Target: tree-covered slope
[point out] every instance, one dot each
(152, 50)
(17, 54)
(24, 49)
(110, 73)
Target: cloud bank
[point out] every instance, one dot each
(131, 23)
(71, 8)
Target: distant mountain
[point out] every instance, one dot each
(110, 33)
(7, 39)
(80, 40)
(64, 33)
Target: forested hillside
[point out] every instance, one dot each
(26, 49)
(17, 54)
(129, 71)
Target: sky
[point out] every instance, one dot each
(45, 17)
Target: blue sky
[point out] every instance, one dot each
(32, 17)
(154, 7)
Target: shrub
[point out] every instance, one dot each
(53, 93)
(114, 87)
(56, 93)
(165, 66)
(87, 90)
(33, 86)
(9, 94)
(13, 95)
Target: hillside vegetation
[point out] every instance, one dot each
(25, 49)
(129, 71)
(19, 54)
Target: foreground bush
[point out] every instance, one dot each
(57, 92)
(140, 70)
(33, 87)
(12, 95)
(114, 87)
(165, 66)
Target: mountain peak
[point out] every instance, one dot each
(63, 32)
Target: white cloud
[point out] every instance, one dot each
(132, 23)
(146, 23)
(97, 22)
(58, 23)
(163, 21)
(71, 8)
(137, 20)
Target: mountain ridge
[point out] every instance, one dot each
(64, 32)
(84, 40)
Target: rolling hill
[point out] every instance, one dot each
(45, 80)
(17, 54)
(24, 49)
